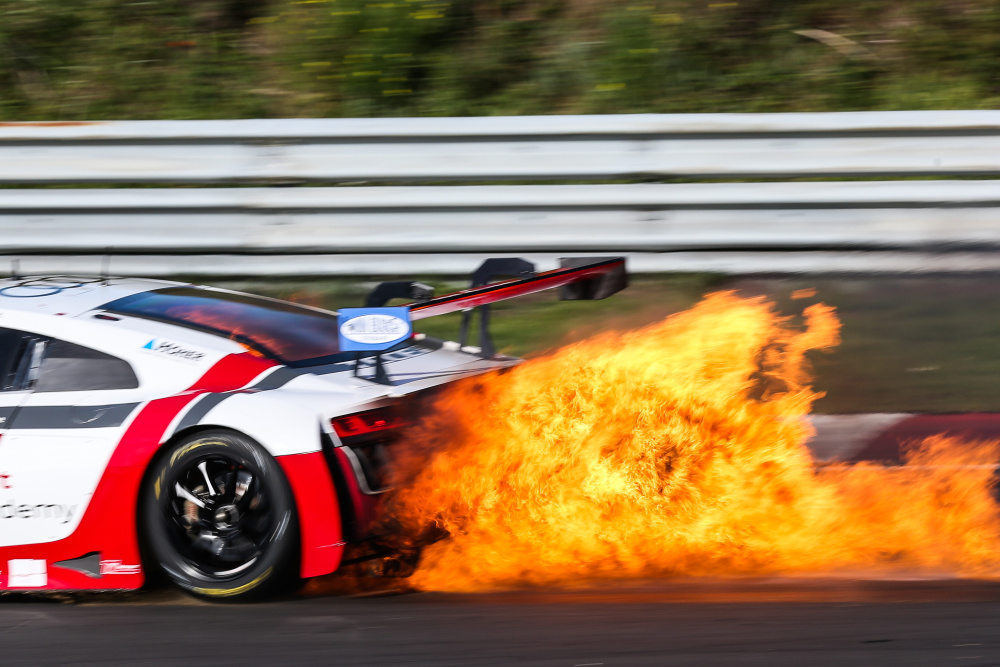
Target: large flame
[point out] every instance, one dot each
(677, 449)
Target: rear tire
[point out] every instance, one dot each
(218, 517)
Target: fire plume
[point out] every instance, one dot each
(677, 450)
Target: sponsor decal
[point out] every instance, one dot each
(27, 573)
(43, 511)
(174, 350)
(41, 287)
(118, 567)
(374, 329)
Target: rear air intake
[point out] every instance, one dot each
(368, 435)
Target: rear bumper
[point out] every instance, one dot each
(318, 510)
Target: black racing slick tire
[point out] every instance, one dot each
(218, 517)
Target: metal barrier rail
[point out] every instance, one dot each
(410, 265)
(513, 148)
(914, 225)
(903, 216)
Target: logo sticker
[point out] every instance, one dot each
(27, 573)
(10, 509)
(373, 329)
(175, 350)
(41, 287)
(117, 567)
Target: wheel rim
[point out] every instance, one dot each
(219, 516)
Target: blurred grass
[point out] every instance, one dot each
(917, 344)
(921, 344)
(179, 59)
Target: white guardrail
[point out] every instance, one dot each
(278, 222)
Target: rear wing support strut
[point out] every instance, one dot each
(487, 271)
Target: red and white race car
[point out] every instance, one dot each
(231, 441)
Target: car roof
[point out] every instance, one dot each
(71, 295)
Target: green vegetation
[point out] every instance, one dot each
(139, 59)
(909, 344)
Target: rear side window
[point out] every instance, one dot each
(12, 345)
(69, 367)
(293, 334)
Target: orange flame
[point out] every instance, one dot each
(677, 449)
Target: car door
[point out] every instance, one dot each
(61, 436)
(12, 347)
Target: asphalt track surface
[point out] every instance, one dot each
(763, 622)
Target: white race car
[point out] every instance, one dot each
(231, 441)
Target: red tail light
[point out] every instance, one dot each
(371, 421)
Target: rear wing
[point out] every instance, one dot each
(579, 278)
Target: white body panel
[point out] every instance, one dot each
(53, 471)
(288, 420)
(52, 478)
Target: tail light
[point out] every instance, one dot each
(365, 423)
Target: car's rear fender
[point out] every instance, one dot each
(317, 508)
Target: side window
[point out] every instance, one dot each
(12, 346)
(68, 367)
